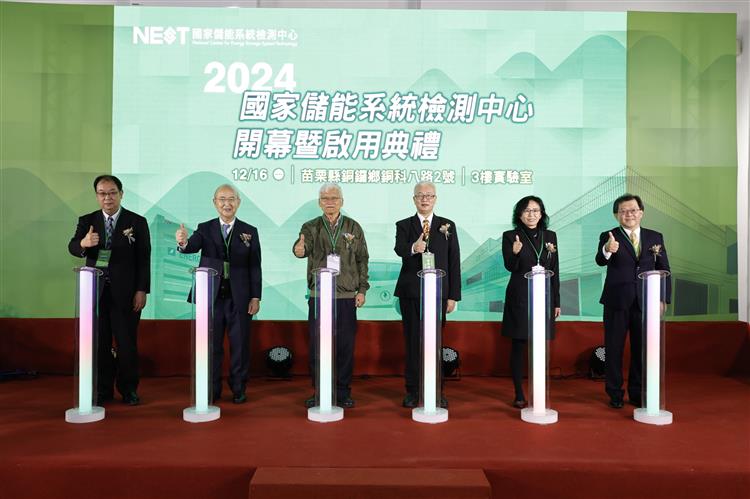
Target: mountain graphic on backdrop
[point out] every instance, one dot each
(433, 81)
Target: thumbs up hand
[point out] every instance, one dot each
(517, 245)
(181, 236)
(299, 247)
(420, 246)
(612, 245)
(91, 238)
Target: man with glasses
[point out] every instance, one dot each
(232, 248)
(333, 240)
(414, 236)
(626, 251)
(116, 241)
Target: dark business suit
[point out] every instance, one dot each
(622, 298)
(447, 258)
(516, 309)
(129, 270)
(231, 296)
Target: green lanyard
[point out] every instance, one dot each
(541, 246)
(331, 237)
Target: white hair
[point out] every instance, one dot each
(329, 186)
(227, 186)
(424, 184)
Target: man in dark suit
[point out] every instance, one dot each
(232, 248)
(123, 253)
(414, 235)
(626, 251)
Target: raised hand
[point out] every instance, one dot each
(91, 238)
(612, 245)
(181, 235)
(299, 248)
(420, 246)
(517, 245)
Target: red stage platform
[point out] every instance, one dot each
(267, 448)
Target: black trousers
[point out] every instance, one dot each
(617, 323)
(518, 354)
(411, 322)
(236, 323)
(346, 331)
(116, 321)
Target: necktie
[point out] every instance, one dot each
(636, 246)
(426, 229)
(226, 231)
(109, 227)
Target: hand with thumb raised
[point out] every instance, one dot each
(299, 247)
(517, 245)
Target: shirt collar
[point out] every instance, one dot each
(422, 218)
(114, 217)
(637, 232)
(222, 223)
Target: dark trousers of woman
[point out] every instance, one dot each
(517, 358)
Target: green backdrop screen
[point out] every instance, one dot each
(490, 106)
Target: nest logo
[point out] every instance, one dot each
(160, 35)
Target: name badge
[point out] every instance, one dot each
(428, 260)
(334, 262)
(226, 270)
(102, 260)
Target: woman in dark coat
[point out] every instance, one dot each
(528, 244)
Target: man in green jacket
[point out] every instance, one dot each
(333, 240)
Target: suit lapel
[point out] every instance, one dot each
(217, 235)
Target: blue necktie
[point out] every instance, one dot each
(109, 228)
(226, 231)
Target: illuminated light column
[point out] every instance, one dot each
(538, 412)
(430, 337)
(429, 412)
(325, 348)
(653, 287)
(325, 411)
(86, 310)
(201, 411)
(539, 340)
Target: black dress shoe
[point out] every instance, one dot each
(443, 403)
(410, 401)
(636, 401)
(131, 398)
(239, 398)
(616, 403)
(520, 404)
(309, 403)
(346, 402)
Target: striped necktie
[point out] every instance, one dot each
(109, 228)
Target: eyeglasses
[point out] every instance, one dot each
(532, 211)
(629, 212)
(424, 196)
(105, 195)
(329, 199)
(225, 200)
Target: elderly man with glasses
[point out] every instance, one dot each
(333, 240)
(414, 236)
(232, 248)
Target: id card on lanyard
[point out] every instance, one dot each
(333, 261)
